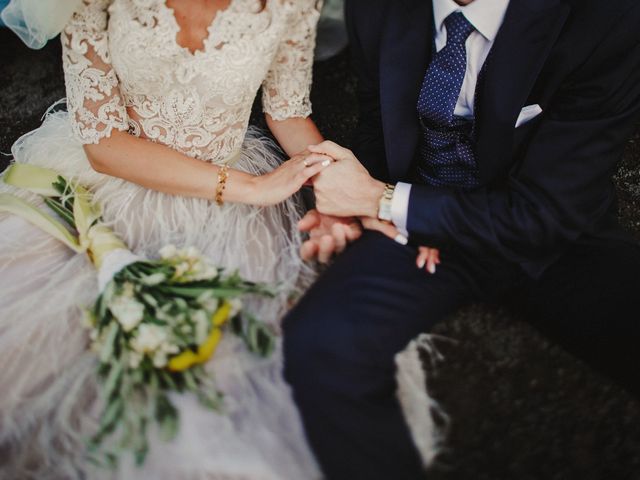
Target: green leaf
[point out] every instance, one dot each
(211, 398)
(110, 417)
(58, 208)
(113, 380)
(33, 178)
(16, 206)
(259, 338)
(167, 418)
(109, 345)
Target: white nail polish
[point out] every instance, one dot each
(421, 263)
(401, 239)
(326, 163)
(432, 268)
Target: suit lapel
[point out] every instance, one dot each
(404, 57)
(523, 43)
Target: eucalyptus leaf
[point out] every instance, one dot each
(109, 344)
(113, 380)
(167, 418)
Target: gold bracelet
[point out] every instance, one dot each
(223, 174)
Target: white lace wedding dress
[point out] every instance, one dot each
(124, 70)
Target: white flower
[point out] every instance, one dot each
(181, 269)
(149, 338)
(192, 253)
(128, 311)
(168, 251)
(203, 271)
(134, 359)
(236, 307)
(208, 302)
(128, 289)
(202, 323)
(154, 279)
(160, 359)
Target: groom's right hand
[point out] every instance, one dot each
(328, 235)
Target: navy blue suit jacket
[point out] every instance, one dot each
(543, 185)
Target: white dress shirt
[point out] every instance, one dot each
(486, 16)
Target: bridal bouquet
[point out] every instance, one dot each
(155, 322)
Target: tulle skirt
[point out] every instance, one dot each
(48, 398)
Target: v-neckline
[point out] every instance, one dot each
(210, 29)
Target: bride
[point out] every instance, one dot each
(159, 94)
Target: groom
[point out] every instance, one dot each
(489, 130)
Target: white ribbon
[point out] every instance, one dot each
(114, 262)
(38, 21)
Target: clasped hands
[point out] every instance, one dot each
(347, 200)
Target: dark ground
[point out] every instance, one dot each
(522, 408)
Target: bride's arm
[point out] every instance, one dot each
(161, 168)
(294, 134)
(99, 120)
(287, 86)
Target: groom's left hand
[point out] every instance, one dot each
(327, 235)
(345, 188)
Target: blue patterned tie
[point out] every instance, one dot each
(447, 152)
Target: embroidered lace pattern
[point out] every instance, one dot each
(125, 70)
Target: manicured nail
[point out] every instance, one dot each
(401, 239)
(421, 263)
(326, 163)
(432, 268)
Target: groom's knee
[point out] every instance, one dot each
(326, 353)
(305, 344)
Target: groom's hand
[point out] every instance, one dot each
(345, 188)
(328, 235)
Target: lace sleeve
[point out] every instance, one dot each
(93, 96)
(286, 89)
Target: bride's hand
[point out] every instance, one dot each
(278, 185)
(428, 258)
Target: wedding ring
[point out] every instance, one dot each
(306, 162)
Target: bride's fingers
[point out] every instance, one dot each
(312, 170)
(385, 228)
(354, 231)
(314, 158)
(326, 249)
(309, 250)
(423, 256)
(431, 261)
(428, 258)
(309, 221)
(338, 230)
(330, 148)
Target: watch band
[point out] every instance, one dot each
(384, 206)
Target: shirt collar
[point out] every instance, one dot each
(485, 15)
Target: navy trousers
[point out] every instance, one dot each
(341, 338)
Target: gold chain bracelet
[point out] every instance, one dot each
(223, 175)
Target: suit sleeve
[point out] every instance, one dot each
(561, 188)
(364, 23)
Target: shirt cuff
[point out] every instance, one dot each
(400, 207)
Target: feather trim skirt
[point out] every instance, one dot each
(48, 401)
(48, 396)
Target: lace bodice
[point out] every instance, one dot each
(125, 70)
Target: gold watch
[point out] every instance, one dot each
(384, 205)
